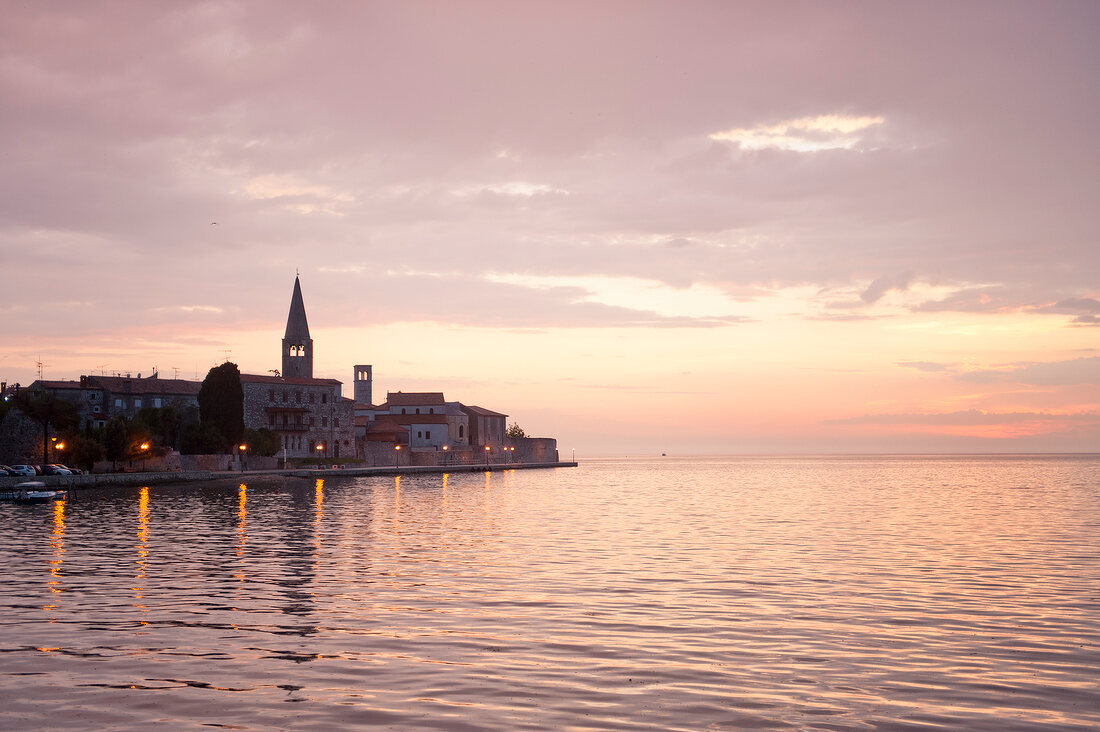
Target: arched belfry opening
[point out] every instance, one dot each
(363, 384)
(297, 345)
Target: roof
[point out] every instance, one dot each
(297, 328)
(286, 380)
(150, 385)
(415, 398)
(385, 428)
(55, 384)
(413, 418)
(482, 411)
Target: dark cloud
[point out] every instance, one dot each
(881, 285)
(1075, 371)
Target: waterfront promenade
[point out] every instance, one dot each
(189, 476)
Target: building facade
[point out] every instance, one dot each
(99, 398)
(310, 415)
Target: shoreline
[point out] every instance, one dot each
(97, 480)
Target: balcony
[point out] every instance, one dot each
(288, 427)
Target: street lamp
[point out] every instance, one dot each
(445, 455)
(396, 455)
(144, 452)
(574, 456)
(319, 448)
(486, 454)
(242, 448)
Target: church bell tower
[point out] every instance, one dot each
(297, 345)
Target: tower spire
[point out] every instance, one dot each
(297, 345)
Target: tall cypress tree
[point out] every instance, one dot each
(221, 402)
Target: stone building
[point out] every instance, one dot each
(486, 426)
(310, 415)
(99, 398)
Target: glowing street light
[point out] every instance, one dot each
(486, 454)
(242, 448)
(144, 452)
(445, 455)
(396, 455)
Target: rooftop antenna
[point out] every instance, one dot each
(102, 368)
(40, 365)
(175, 372)
(227, 351)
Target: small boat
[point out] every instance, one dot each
(30, 492)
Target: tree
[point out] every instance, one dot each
(164, 424)
(262, 442)
(46, 408)
(515, 432)
(221, 403)
(116, 440)
(82, 452)
(201, 439)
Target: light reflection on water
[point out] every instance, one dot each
(725, 593)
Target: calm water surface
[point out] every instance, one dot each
(657, 594)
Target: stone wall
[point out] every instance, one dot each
(534, 449)
(20, 440)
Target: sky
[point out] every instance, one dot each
(639, 227)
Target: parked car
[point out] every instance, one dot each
(5, 470)
(72, 471)
(55, 470)
(25, 471)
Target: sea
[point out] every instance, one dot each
(656, 593)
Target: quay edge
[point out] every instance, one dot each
(195, 476)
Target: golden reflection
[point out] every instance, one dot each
(242, 530)
(318, 518)
(142, 548)
(57, 550)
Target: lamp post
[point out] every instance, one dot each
(396, 455)
(445, 456)
(574, 459)
(144, 452)
(486, 455)
(320, 448)
(243, 449)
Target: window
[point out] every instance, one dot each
(156, 402)
(118, 403)
(93, 395)
(402, 410)
(461, 431)
(324, 421)
(324, 399)
(95, 409)
(418, 410)
(297, 397)
(427, 434)
(271, 420)
(137, 404)
(419, 434)
(284, 397)
(431, 411)
(312, 396)
(335, 421)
